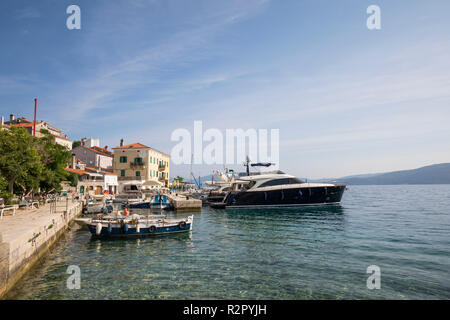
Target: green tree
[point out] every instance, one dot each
(73, 179)
(76, 144)
(28, 163)
(4, 194)
(20, 163)
(55, 159)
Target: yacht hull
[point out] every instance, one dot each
(288, 197)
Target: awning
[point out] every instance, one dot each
(153, 183)
(133, 182)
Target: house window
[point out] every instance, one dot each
(123, 159)
(138, 161)
(122, 173)
(138, 173)
(150, 159)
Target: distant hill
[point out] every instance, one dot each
(434, 174)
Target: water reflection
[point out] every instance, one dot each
(282, 219)
(326, 211)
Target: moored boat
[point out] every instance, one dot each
(135, 225)
(278, 189)
(159, 202)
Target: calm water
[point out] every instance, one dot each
(306, 253)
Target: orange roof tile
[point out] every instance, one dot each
(101, 171)
(77, 171)
(103, 150)
(99, 152)
(133, 146)
(22, 125)
(61, 137)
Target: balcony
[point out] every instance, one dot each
(162, 167)
(137, 165)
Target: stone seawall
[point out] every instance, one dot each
(181, 203)
(25, 237)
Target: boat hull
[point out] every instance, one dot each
(130, 230)
(149, 205)
(290, 197)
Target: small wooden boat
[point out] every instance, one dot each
(136, 225)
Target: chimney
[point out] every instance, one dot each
(121, 142)
(2, 122)
(83, 141)
(74, 161)
(106, 148)
(11, 117)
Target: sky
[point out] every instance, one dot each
(347, 100)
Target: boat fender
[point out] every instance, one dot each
(152, 229)
(98, 228)
(182, 225)
(109, 228)
(138, 228)
(125, 227)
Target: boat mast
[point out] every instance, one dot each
(247, 164)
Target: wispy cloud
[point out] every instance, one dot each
(28, 13)
(148, 65)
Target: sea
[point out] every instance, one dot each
(381, 242)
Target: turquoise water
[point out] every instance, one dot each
(301, 253)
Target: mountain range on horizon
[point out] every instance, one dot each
(431, 174)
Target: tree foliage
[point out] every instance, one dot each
(76, 144)
(30, 164)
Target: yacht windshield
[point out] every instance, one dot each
(277, 182)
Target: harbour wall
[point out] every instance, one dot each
(27, 236)
(181, 203)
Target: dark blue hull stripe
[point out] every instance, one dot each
(143, 231)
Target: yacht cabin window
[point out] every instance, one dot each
(278, 182)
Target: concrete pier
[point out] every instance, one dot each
(181, 203)
(27, 235)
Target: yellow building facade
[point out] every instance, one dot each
(139, 162)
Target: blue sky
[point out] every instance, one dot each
(347, 100)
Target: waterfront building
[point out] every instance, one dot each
(140, 165)
(29, 126)
(95, 182)
(93, 155)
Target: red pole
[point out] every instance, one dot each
(34, 124)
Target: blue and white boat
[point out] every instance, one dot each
(135, 225)
(159, 202)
